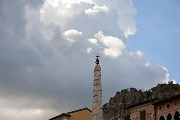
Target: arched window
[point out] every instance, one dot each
(169, 117)
(176, 116)
(168, 105)
(162, 118)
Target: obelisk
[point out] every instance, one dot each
(97, 113)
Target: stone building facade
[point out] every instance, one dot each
(117, 105)
(142, 111)
(164, 109)
(168, 109)
(81, 114)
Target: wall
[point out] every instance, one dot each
(135, 111)
(166, 107)
(81, 115)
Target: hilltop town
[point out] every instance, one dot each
(119, 105)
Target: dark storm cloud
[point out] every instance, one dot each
(17, 59)
(30, 70)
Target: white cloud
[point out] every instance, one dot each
(113, 46)
(136, 53)
(165, 68)
(93, 41)
(89, 50)
(63, 12)
(139, 53)
(96, 9)
(147, 64)
(126, 15)
(64, 7)
(72, 34)
(167, 79)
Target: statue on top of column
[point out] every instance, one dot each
(97, 60)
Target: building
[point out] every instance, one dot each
(97, 113)
(81, 114)
(118, 104)
(168, 109)
(142, 111)
(163, 109)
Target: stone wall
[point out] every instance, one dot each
(143, 111)
(168, 107)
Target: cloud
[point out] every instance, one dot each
(96, 9)
(93, 41)
(147, 64)
(24, 108)
(89, 50)
(72, 34)
(136, 53)
(42, 75)
(118, 15)
(126, 15)
(113, 46)
(167, 79)
(57, 11)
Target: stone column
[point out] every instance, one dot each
(97, 113)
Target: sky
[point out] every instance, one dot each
(48, 49)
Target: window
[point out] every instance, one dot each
(169, 117)
(143, 115)
(162, 118)
(168, 105)
(176, 115)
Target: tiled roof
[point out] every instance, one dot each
(68, 113)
